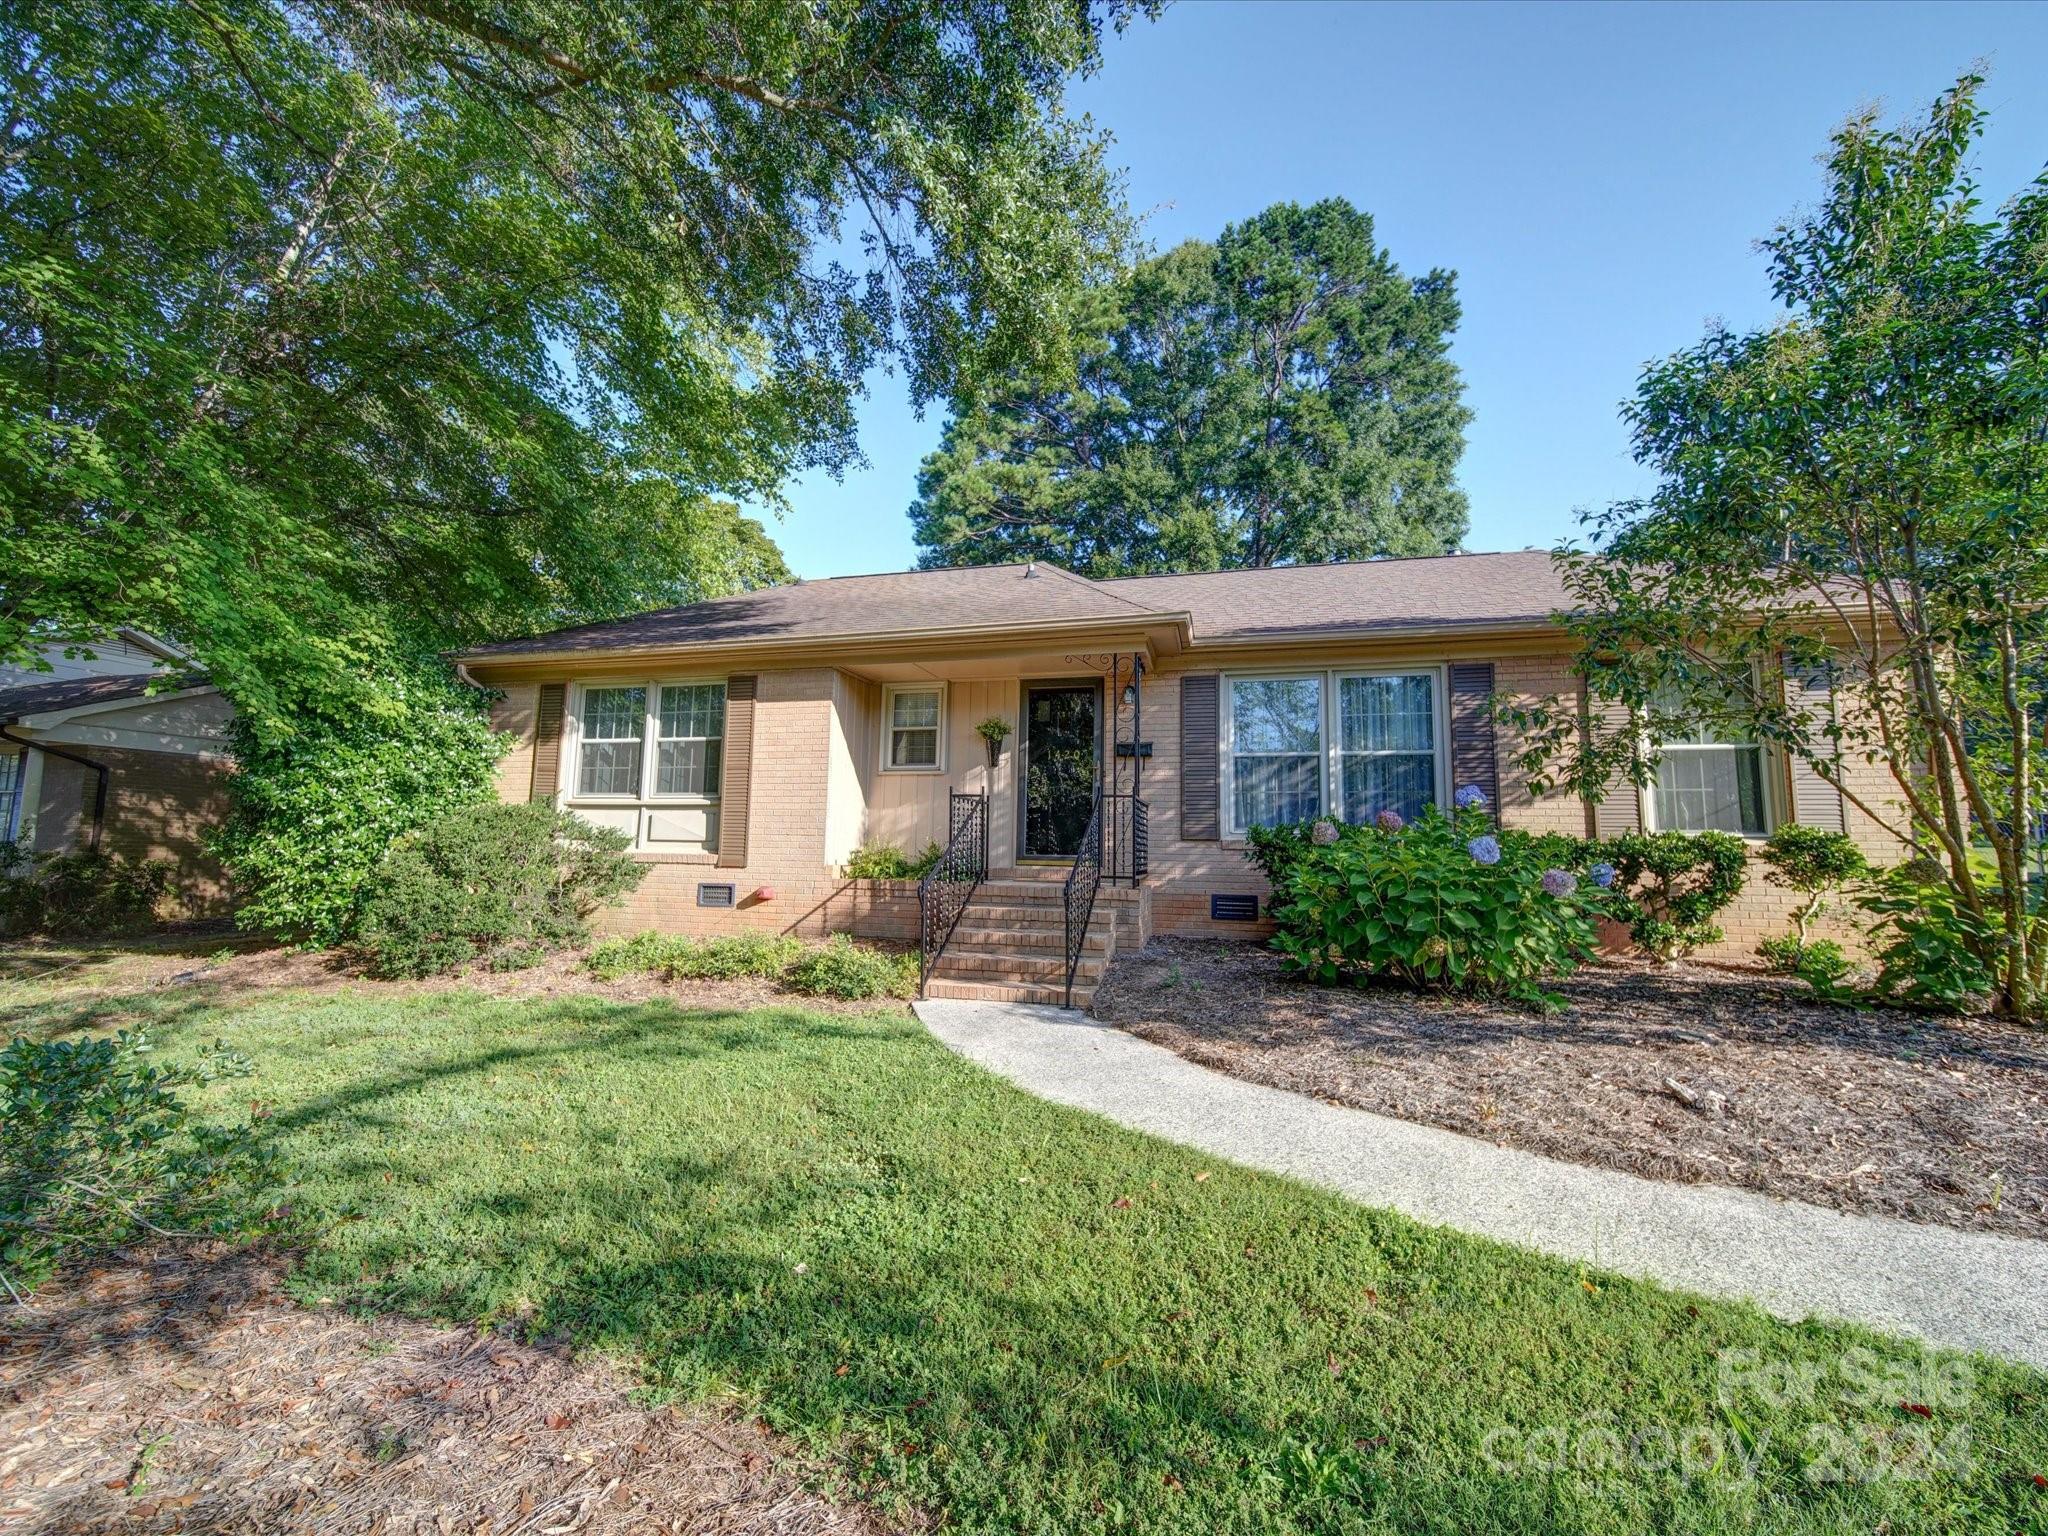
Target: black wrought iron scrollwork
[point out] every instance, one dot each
(943, 894)
(1079, 892)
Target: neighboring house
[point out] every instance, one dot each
(91, 759)
(749, 744)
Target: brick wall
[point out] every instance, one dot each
(160, 805)
(514, 713)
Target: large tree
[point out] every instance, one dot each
(333, 331)
(1864, 487)
(1282, 395)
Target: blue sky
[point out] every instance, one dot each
(1597, 176)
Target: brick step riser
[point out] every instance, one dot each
(1014, 967)
(1004, 935)
(984, 992)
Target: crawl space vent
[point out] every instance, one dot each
(1233, 909)
(709, 895)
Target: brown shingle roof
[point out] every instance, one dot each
(25, 699)
(1423, 592)
(1284, 601)
(979, 596)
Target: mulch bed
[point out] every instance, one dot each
(181, 1392)
(1692, 1073)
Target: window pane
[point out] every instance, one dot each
(610, 768)
(1718, 789)
(693, 709)
(10, 791)
(1387, 714)
(920, 708)
(614, 714)
(1387, 781)
(1274, 789)
(914, 748)
(1276, 714)
(688, 767)
(1716, 724)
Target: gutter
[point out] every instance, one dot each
(99, 799)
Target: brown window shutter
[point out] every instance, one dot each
(1815, 802)
(1473, 756)
(736, 780)
(1201, 806)
(1621, 808)
(547, 741)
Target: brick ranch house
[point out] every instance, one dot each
(748, 745)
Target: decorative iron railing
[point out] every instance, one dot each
(1126, 838)
(943, 894)
(1079, 892)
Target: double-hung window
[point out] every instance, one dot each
(1345, 744)
(1711, 778)
(914, 724)
(1386, 744)
(1276, 750)
(689, 739)
(614, 730)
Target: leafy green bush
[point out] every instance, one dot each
(79, 894)
(97, 1147)
(842, 968)
(733, 955)
(312, 813)
(1780, 953)
(1678, 883)
(1442, 901)
(885, 861)
(500, 883)
(1814, 862)
(1930, 949)
(634, 955)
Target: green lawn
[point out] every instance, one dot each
(1018, 1318)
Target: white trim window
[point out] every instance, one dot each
(10, 795)
(1387, 740)
(689, 739)
(1711, 778)
(1274, 750)
(914, 735)
(611, 736)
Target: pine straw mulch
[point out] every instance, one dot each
(227, 967)
(1692, 1073)
(182, 1392)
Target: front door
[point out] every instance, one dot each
(1059, 767)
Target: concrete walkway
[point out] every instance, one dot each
(1964, 1290)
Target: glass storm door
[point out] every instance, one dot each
(1059, 768)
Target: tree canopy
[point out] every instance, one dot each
(1285, 394)
(333, 331)
(1862, 487)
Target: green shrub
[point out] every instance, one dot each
(498, 883)
(925, 862)
(79, 894)
(1678, 883)
(733, 955)
(842, 968)
(1814, 862)
(1441, 902)
(314, 812)
(642, 952)
(885, 861)
(1929, 949)
(97, 1148)
(1822, 966)
(1780, 953)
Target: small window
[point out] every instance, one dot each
(1386, 745)
(1276, 750)
(914, 723)
(1711, 778)
(690, 739)
(10, 796)
(613, 726)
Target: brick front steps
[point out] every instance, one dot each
(1010, 945)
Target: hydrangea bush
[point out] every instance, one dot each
(1441, 901)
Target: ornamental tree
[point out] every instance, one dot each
(1859, 487)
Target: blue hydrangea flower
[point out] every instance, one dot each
(1560, 882)
(1484, 850)
(1470, 797)
(1601, 874)
(1389, 821)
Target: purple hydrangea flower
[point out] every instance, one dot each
(1389, 821)
(1323, 833)
(1601, 874)
(1470, 797)
(1560, 882)
(1484, 850)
